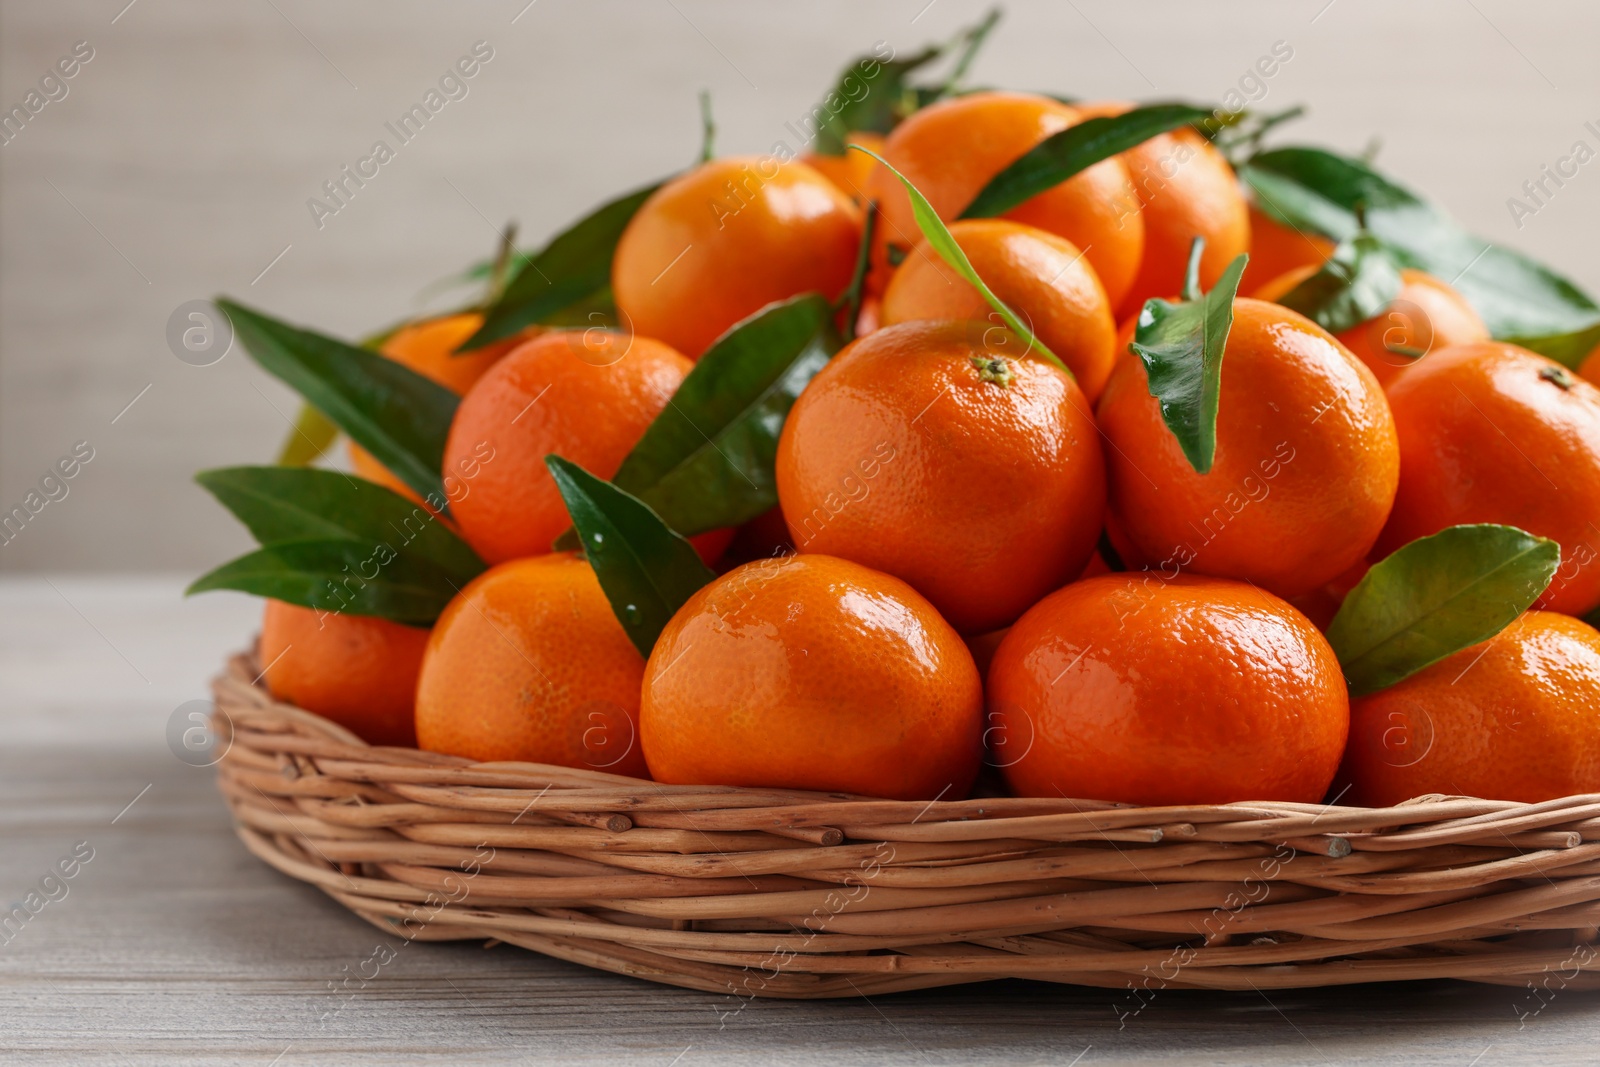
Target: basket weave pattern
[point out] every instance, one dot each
(780, 893)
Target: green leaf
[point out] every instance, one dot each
(646, 570)
(1357, 282)
(1519, 300)
(1436, 596)
(1063, 154)
(281, 504)
(312, 435)
(338, 575)
(398, 415)
(1181, 345)
(707, 461)
(574, 266)
(873, 95)
(939, 239)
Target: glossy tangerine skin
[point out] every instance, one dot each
(1425, 315)
(951, 149)
(529, 663)
(1305, 467)
(718, 244)
(1276, 249)
(587, 396)
(428, 347)
(1590, 369)
(358, 670)
(1186, 690)
(810, 672)
(1185, 189)
(1491, 432)
(1511, 719)
(1041, 277)
(900, 456)
(852, 171)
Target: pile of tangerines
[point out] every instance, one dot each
(1007, 557)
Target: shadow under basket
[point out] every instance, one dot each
(782, 893)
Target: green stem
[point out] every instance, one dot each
(851, 298)
(708, 127)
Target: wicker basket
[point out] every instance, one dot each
(777, 893)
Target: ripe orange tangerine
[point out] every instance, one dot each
(718, 244)
(529, 663)
(1142, 689)
(944, 454)
(811, 672)
(1491, 432)
(1276, 249)
(1185, 189)
(1041, 277)
(1513, 718)
(851, 171)
(951, 149)
(1304, 472)
(587, 396)
(358, 670)
(1425, 315)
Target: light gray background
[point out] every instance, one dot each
(180, 163)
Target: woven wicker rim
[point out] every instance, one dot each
(780, 893)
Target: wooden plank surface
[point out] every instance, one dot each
(172, 945)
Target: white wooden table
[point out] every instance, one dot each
(173, 945)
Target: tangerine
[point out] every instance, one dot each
(718, 244)
(931, 452)
(1304, 470)
(587, 396)
(1040, 276)
(1425, 315)
(1590, 368)
(851, 171)
(1185, 189)
(1491, 432)
(529, 663)
(1512, 718)
(811, 672)
(951, 149)
(1276, 249)
(1150, 690)
(358, 670)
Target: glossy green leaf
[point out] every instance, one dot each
(280, 504)
(646, 570)
(398, 415)
(311, 436)
(1069, 151)
(1356, 283)
(707, 461)
(938, 237)
(338, 575)
(873, 95)
(1521, 301)
(1435, 597)
(573, 267)
(1181, 345)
